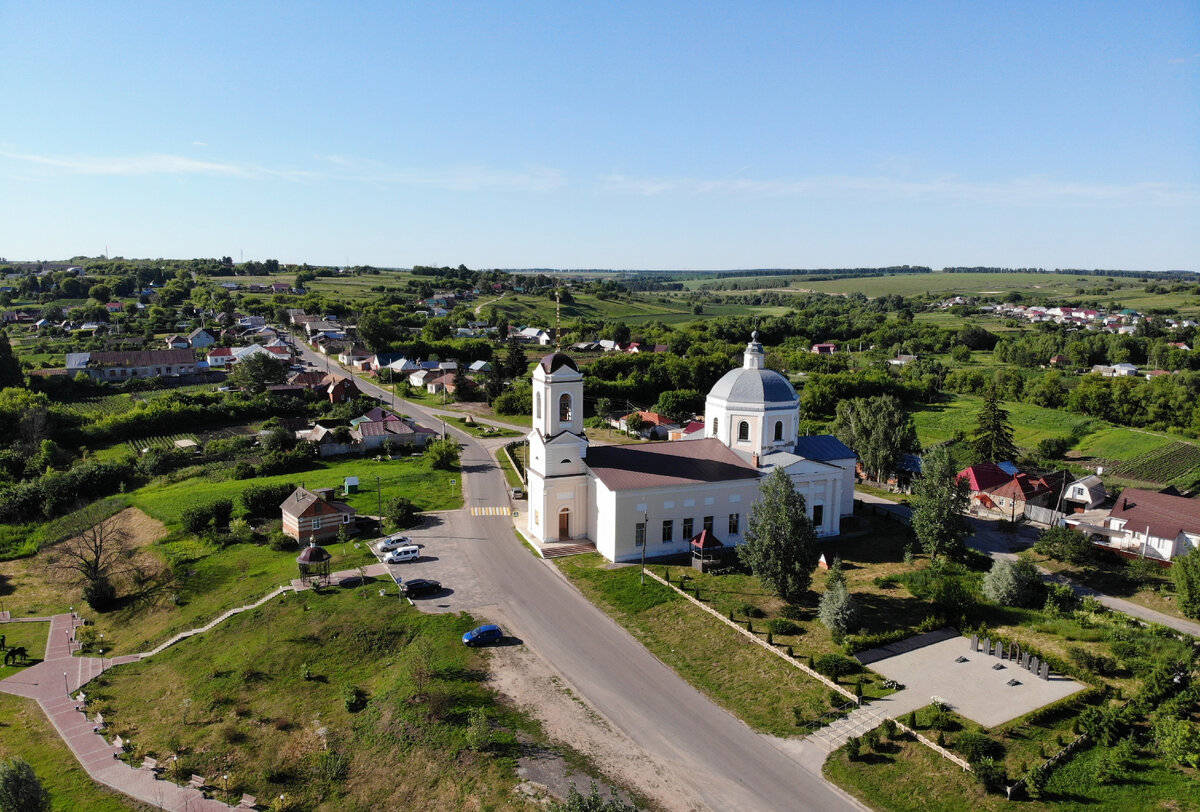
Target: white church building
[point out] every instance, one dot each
(662, 495)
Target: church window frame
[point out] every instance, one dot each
(689, 527)
(708, 523)
(778, 430)
(744, 431)
(735, 522)
(668, 530)
(639, 534)
(537, 406)
(564, 408)
(818, 516)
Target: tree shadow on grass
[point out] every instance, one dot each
(886, 612)
(6, 587)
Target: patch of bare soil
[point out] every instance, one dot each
(28, 586)
(534, 687)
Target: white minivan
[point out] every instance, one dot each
(401, 554)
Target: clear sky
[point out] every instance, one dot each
(604, 135)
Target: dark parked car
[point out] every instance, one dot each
(420, 586)
(483, 635)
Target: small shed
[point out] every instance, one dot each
(350, 485)
(314, 563)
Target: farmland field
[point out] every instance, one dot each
(1169, 463)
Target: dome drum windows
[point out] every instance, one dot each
(743, 433)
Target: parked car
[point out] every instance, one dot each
(420, 586)
(483, 635)
(517, 493)
(394, 542)
(399, 555)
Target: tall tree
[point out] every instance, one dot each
(99, 550)
(879, 430)
(939, 498)
(10, 367)
(256, 373)
(993, 439)
(781, 544)
(515, 362)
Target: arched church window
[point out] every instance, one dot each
(778, 430)
(537, 406)
(564, 409)
(743, 431)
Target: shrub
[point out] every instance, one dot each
(853, 747)
(402, 512)
(1060, 599)
(793, 612)
(355, 698)
(835, 666)
(20, 788)
(871, 738)
(281, 542)
(838, 610)
(989, 774)
(1064, 544)
(976, 746)
(750, 610)
(782, 626)
(888, 728)
(1011, 583)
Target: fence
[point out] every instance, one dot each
(517, 465)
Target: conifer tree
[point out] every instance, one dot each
(993, 439)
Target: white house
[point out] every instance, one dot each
(1085, 494)
(1147, 524)
(663, 495)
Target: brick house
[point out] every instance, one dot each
(315, 515)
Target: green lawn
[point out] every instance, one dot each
(1116, 443)
(30, 635)
(261, 699)
(1031, 424)
(411, 477)
(28, 734)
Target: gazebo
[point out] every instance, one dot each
(314, 563)
(707, 550)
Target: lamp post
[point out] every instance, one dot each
(645, 542)
(66, 689)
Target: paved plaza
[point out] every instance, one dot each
(928, 666)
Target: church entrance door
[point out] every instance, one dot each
(564, 525)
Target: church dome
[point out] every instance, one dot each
(557, 360)
(754, 386)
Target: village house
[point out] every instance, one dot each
(315, 515)
(1145, 524)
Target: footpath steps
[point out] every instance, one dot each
(858, 722)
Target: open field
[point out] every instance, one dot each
(1031, 424)
(266, 700)
(411, 477)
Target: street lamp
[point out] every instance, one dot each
(645, 542)
(65, 688)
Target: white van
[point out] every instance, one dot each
(401, 554)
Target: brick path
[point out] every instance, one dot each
(52, 682)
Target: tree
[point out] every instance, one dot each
(780, 545)
(262, 501)
(515, 362)
(993, 439)
(679, 405)
(257, 372)
(443, 454)
(1013, 583)
(10, 367)
(1064, 544)
(402, 512)
(879, 430)
(99, 549)
(634, 423)
(20, 789)
(939, 499)
(838, 610)
(1185, 573)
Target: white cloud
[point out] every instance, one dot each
(1017, 191)
(1183, 60)
(199, 144)
(464, 178)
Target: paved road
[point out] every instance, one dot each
(999, 545)
(729, 766)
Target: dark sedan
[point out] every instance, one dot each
(420, 586)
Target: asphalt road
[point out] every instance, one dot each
(729, 766)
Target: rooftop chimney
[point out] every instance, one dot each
(754, 459)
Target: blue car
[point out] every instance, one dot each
(483, 635)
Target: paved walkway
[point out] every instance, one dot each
(51, 682)
(997, 544)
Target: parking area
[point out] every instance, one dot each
(442, 560)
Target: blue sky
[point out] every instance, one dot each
(605, 135)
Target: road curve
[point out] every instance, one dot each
(729, 766)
